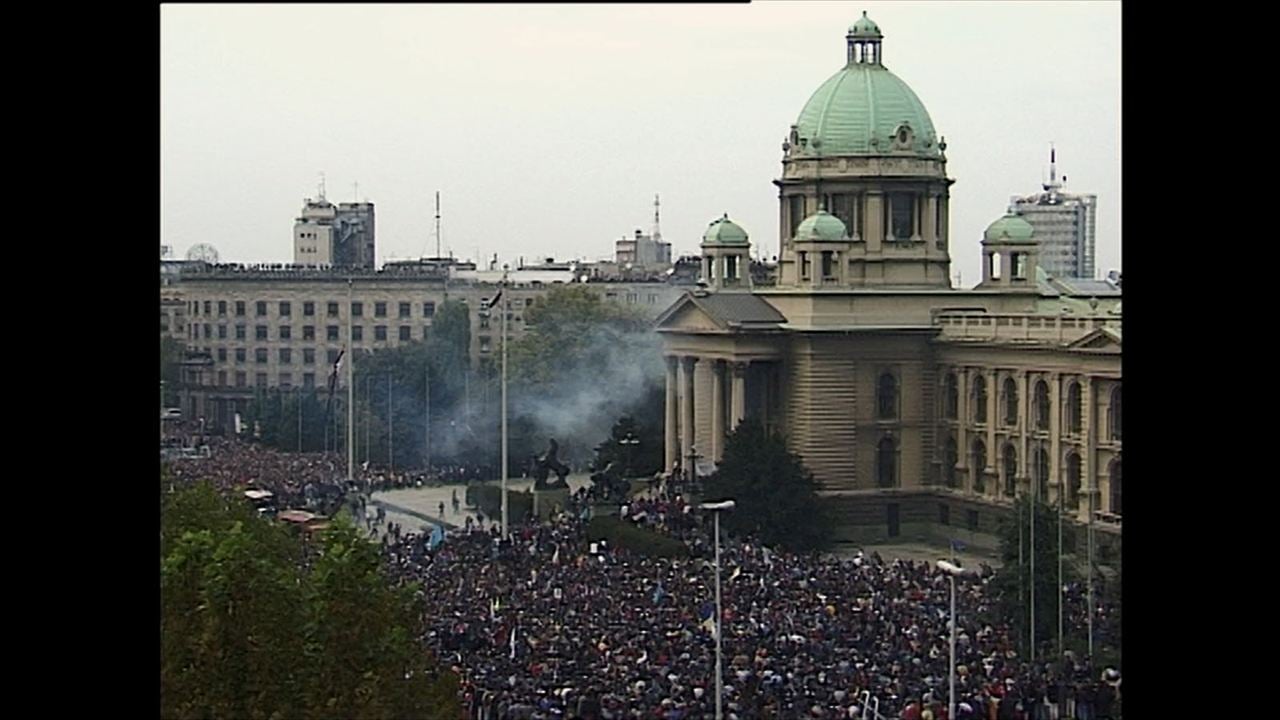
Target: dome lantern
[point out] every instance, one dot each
(863, 42)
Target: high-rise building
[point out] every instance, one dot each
(644, 252)
(1065, 226)
(338, 235)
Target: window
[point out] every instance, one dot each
(1009, 466)
(944, 514)
(357, 333)
(428, 309)
(222, 308)
(380, 309)
(951, 398)
(1010, 402)
(380, 333)
(308, 380)
(222, 378)
(240, 378)
(286, 332)
(286, 356)
(902, 207)
(357, 309)
(308, 332)
(286, 309)
(260, 332)
(484, 343)
(1115, 413)
(241, 354)
(222, 354)
(404, 310)
(887, 463)
(1042, 475)
(1074, 410)
(1073, 481)
(331, 333)
(980, 399)
(260, 380)
(333, 309)
(261, 308)
(796, 213)
(222, 332)
(331, 355)
(405, 332)
(308, 309)
(1019, 262)
(260, 356)
(971, 518)
(1042, 405)
(950, 458)
(828, 266)
(887, 397)
(484, 321)
(1115, 486)
(286, 380)
(208, 331)
(208, 307)
(844, 206)
(239, 308)
(804, 266)
(979, 464)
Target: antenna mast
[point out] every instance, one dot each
(657, 231)
(321, 186)
(437, 224)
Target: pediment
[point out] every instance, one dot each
(1103, 338)
(686, 316)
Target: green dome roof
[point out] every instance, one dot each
(725, 232)
(822, 226)
(1010, 228)
(865, 28)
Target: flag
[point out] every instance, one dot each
(710, 625)
(658, 593)
(513, 643)
(555, 557)
(437, 537)
(494, 302)
(736, 572)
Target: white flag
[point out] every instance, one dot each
(513, 643)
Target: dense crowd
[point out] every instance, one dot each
(549, 625)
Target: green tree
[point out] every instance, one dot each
(636, 447)
(572, 327)
(777, 501)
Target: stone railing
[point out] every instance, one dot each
(1018, 328)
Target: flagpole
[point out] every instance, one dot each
(502, 309)
(351, 405)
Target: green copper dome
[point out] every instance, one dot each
(725, 232)
(1010, 229)
(864, 109)
(822, 226)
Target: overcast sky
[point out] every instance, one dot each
(549, 128)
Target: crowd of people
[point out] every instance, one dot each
(551, 625)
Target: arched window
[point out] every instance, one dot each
(979, 464)
(1010, 402)
(979, 399)
(1115, 487)
(950, 458)
(1042, 405)
(1073, 481)
(951, 398)
(887, 463)
(1115, 413)
(1042, 475)
(887, 397)
(1074, 409)
(1010, 467)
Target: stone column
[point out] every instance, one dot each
(1089, 471)
(717, 410)
(673, 410)
(739, 401)
(1055, 437)
(962, 433)
(873, 224)
(1024, 423)
(686, 412)
(993, 395)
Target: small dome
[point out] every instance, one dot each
(724, 232)
(865, 28)
(1010, 228)
(822, 226)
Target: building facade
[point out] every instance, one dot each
(921, 410)
(1065, 224)
(339, 235)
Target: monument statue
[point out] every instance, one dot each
(542, 467)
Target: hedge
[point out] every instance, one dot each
(624, 534)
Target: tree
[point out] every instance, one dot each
(635, 445)
(777, 501)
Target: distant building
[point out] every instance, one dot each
(334, 235)
(642, 252)
(1065, 226)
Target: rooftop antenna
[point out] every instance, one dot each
(355, 192)
(321, 186)
(1053, 185)
(657, 231)
(437, 223)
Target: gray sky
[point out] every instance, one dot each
(548, 128)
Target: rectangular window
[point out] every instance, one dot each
(484, 343)
(804, 266)
(944, 514)
(240, 378)
(260, 380)
(357, 309)
(239, 308)
(260, 356)
(357, 333)
(428, 309)
(380, 333)
(308, 332)
(426, 331)
(222, 308)
(308, 380)
(973, 520)
(796, 213)
(286, 380)
(828, 267)
(308, 309)
(405, 331)
(380, 309)
(286, 332)
(208, 307)
(332, 356)
(241, 353)
(260, 332)
(286, 356)
(222, 378)
(286, 308)
(902, 215)
(484, 322)
(222, 332)
(208, 331)
(262, 308)
(333, 309)
(404, 310)
(222, 354)
(331, 333)
(308, 356)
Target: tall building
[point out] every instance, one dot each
(1065, 226)
(922, 411)
(644, 252)
(334, 235)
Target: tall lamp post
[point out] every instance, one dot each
(717, 508)
(630, 442)
(953, 571)
(502, 308)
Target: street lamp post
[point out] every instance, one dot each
(717, 508)
(502, 306)
(630, 441)
(953, 571)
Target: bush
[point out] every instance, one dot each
(624, 534)
(488, 498)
